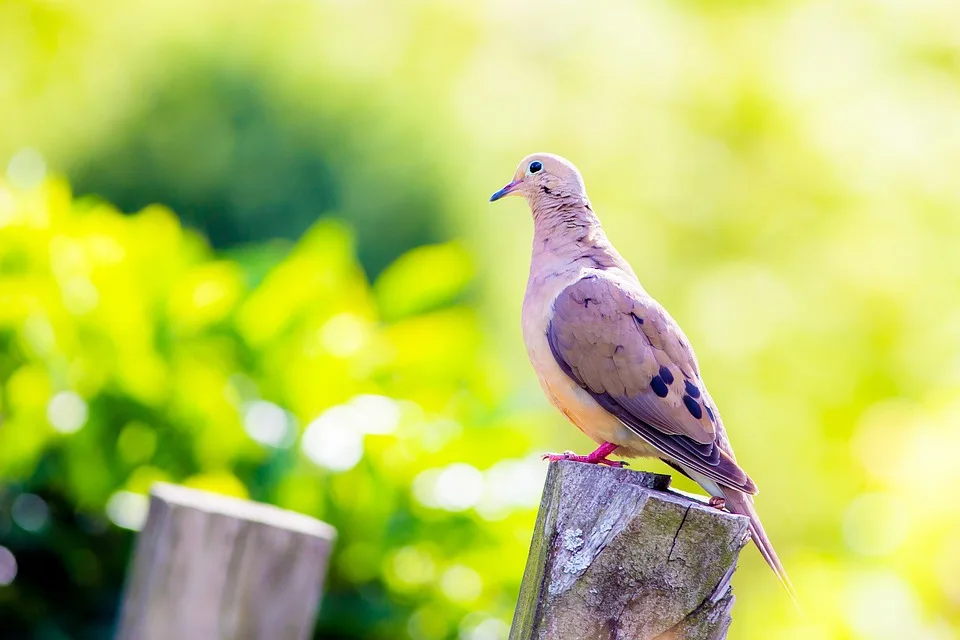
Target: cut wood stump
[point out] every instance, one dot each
(617, 556)
(211, 567)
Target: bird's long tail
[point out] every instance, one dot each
(742, 503)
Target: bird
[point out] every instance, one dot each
(611, 358)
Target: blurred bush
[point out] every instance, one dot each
(131, 354)
(241, 161)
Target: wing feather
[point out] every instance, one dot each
(621, 346)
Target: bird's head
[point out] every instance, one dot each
(544, 175)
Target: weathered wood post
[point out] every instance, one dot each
(616, 556)
(211, 567)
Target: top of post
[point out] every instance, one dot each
(267, 514)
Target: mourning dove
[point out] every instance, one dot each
(609, 357)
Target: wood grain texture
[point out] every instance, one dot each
(212, 567)
(617, 556)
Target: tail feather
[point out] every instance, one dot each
(742, 503)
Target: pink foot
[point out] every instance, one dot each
(597, 457)
(717, 502)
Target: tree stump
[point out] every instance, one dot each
(211, 567)
(617, 556)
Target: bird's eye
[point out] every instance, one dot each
(535, 166)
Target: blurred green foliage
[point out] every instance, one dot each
(133, 354)
(241, 163)
(779, 172)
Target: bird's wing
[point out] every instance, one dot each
(621, 346)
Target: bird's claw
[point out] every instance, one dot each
(572, 457)
(619, 464)
(566, 455)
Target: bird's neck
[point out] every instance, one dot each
(564, 219)
(568, 232)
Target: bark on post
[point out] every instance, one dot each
(212, 567)
(616, 556)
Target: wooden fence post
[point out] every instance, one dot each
(616, 556)
(211, 567)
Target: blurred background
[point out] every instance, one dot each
(247, 247)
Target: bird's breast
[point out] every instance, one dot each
(561, 390)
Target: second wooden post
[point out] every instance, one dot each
(209, 567)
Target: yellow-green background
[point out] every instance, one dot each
(783, 175)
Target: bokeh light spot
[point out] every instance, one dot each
(511, 485)
(30, 512)
(461, 584)
(412, 567)
(456, 487)
(67, 412)
(378, 415)
(128, 510)
(8, 566)
(26, 169)
(344, 335)
(333, 440)
(268, 424)
(80, 296)
(480, 626)
(423, 487)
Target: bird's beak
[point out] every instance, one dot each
(507, 190)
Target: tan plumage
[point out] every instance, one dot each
(608, 356)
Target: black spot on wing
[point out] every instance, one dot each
(693, 407)
(691, 389)
(658, 386)
(637, 318)
(666, 375)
